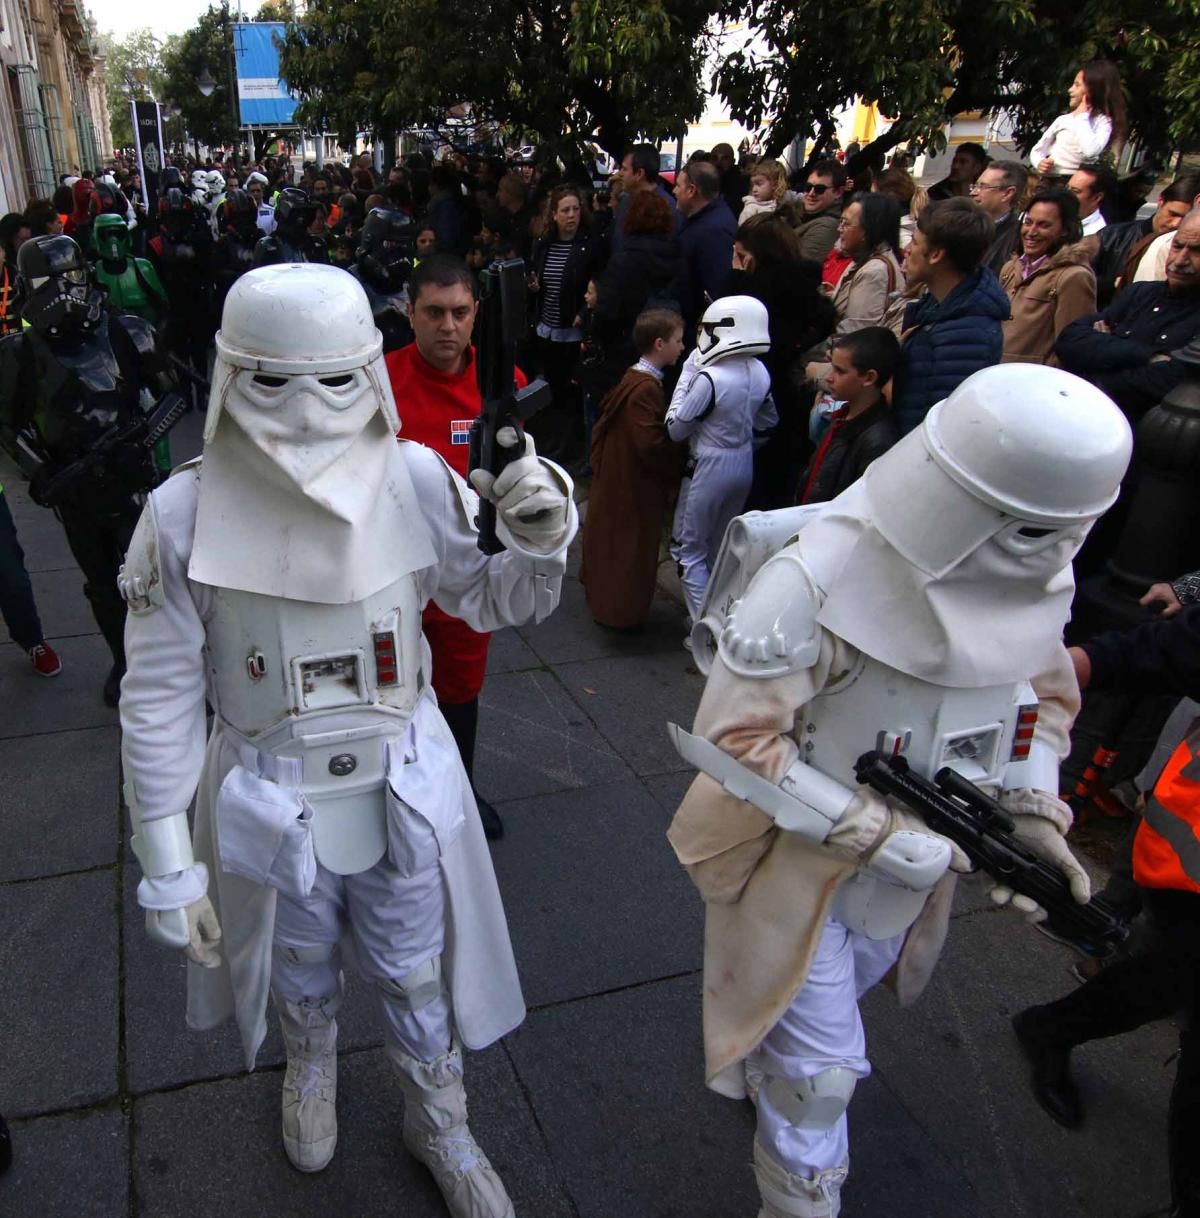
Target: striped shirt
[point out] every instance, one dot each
(552, 277)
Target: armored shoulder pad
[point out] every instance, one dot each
(773, 629)
(140, 576)
(140, 332)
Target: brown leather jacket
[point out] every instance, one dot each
(1060, 290)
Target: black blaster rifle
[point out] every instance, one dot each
(984, 830)
(144, 431)
(498, 328)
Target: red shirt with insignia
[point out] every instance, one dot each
(437, 409)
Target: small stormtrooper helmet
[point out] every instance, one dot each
(733, 325)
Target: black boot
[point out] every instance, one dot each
(5, 1147)
(463, 719)
(1050, 1073)
(493, 826)
(112, 685)
(1183, 1125)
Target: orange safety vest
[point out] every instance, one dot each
(1166, 851)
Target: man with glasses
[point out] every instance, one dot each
(821, 196)
(999, 190)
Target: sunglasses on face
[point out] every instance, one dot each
(815, 188)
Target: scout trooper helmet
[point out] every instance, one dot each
(299, 339)
(1022, 454)
(733, 325)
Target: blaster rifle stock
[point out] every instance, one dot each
(957, 809)
(500, 325)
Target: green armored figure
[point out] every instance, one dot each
(132, 284)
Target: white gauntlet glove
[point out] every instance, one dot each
(173, 892)
(194, 928)
(532, 497)
(1038, 817)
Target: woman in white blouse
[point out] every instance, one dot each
(1097, 115)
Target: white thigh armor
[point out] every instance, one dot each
(328, 686)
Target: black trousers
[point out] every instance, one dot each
(463, 721)
(17, 606)
(558, 429)
(1161, 980)
(98, 537)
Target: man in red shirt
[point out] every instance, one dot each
(433, 381)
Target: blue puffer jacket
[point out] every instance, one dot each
(948, 341)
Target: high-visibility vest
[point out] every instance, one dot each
(1166, 851)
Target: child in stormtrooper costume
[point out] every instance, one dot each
(283, 577)
(721, 403)
(920, 612)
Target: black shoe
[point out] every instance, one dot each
(1053, 1087)
(493, 826)
(112, 685)
(5, 1147)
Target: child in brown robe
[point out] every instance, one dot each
(635, 469)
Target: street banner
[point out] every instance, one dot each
(147, 136)
(263, 99)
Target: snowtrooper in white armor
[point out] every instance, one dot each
(920, 612)
(283, 578)
(721, 402)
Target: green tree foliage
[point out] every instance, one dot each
(206, 45)
(569, 71)
(926, 61)
(132, 72)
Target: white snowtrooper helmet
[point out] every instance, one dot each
(733, 325)
(1021, 453)
(298, 325)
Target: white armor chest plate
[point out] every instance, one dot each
(279, 669)
(977, 732)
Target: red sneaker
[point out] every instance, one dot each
(45, 660)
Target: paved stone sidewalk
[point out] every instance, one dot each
(595, 1107)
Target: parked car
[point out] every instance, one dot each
(667, 166)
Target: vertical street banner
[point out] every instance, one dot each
(263, 99)
(147, 136)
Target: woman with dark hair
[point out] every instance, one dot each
(14, 231)
(767, 265)
(647, 271)
(564, 259)
(1049, 282)
(1095, 120)
(869, 231)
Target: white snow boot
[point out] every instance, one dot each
(436, 1133)
(787, 1196)
(310, 1082)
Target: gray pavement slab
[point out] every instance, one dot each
(70, 1166)
(953, 1061)
(594, 896)
(161, 1050)
(58, 1003)
(618, 1086)
(69, 701)
(509, 652)
(57, 796)
(533, 739)
(214, 1149)
(570, 634)
(62, 606)
(631, 699)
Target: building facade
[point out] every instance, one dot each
(54, 109)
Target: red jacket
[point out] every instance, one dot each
(437, 409)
